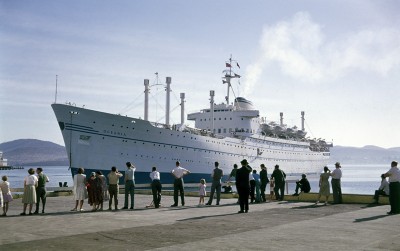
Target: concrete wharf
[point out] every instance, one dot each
(285, 225)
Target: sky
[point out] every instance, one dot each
(339, 61)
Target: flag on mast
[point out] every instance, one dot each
(228, 65)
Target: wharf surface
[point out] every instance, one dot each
(283, 225)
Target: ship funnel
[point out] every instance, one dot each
(212, 93)
(146, 99)
(281, 114)
(182, 108)
(168, 81)
(302, 121)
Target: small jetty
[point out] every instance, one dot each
(4, 166)
(11, 167)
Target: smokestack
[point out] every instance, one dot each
(168, 81)
(182, 108)
(281, 118)
(146, 99)
(212, 110)
(302, 121)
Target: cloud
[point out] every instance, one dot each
(301, 51)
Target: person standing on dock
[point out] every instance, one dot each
(6, 192)
(394, 187)
(243, 186)
(382, 190)
(129, 185)
(41, 189)
(279, 177)
(216, 176)
(80, 192)
(156, 186)
(113, 187)
(336, 185)
(263, 182)
(29, 197)
(324, 188)
(178, 172)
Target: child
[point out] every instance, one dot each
(7, 197)
(202, 191)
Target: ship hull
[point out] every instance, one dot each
(97, 141)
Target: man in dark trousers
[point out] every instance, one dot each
(216, 176)
(41, 189)
(279, 177)
(243, 186)
(303, 185)
(264, 181)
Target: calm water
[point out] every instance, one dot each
(357, 179)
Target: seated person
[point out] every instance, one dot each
(382, 190)
(303, 185)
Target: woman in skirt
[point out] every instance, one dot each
(30, 184)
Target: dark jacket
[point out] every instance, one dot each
(264, 176)
(279, 176)
(242, 177)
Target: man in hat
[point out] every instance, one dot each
(243, 186)
(129, 185)
(303, 185)
(279, 177)
(336, 186)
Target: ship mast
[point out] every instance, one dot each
(229, 74)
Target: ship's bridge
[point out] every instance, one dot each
(228, 120)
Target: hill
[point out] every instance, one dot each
(364, 155)
(33, 152)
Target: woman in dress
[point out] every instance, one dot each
(79, 189)
(29, 197)
(95, 191)
(7, 197)
(101, 190)
(324, 188)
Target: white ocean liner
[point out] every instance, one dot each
(227, 133)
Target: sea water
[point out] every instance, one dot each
(357, 179)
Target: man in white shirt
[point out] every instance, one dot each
(178, 172)
(382, 190)
(129, 185)
(336, 186)
(394, 187)
(155, 186)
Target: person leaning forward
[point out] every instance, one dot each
(156, 186)
(178, 172)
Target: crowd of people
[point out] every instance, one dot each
(249, 185)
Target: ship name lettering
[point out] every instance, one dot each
(114, 133)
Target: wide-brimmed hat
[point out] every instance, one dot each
(244, 162)
(337, 164)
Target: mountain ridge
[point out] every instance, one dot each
(35, 152)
